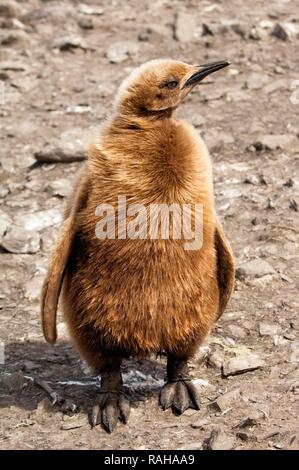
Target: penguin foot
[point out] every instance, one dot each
(179, 395)
(110, 408)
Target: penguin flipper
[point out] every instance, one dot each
(225, 268)
(54, 279)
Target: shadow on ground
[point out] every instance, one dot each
(29, 364)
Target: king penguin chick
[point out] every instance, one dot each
(127, 296)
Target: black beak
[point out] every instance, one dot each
(205, 70)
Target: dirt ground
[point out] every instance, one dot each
(60, 65)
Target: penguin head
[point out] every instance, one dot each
(159, 86)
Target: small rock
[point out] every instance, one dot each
(254, 269)
(257, 34)
(19, 240)
(10, 9)
(62, 331)
(198, 120)
(90, 10)
(216, 140)
(295, 352)
(38, 220)
(66, 43)
(185, 27)
(237, 331)
(285, 31)
(70, 147)
(255, 81)
(218, 441)
(239, 30)
(293, 205)
(215, 360)
(191, 446)
(79, 109)
(60, 187)
(51, 154)
(4, 190)
(266, 329)
(74, 422)
(241, 364)
(121, 51)
(13, 65)
(289, 183)
(207, 30)
(33, 288)
(156, 32)
(246, 423)
(9, 39)
(225, 401)
(276, 85)
(252, 180)
(273, 142)
(5, 222)
(85, 23)
(202, 354)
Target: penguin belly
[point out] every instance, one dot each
(140, 296)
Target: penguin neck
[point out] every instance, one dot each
(144, 120)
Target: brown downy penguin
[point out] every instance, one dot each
(131, 294)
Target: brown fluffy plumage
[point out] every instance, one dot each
(126, 297)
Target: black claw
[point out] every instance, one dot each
(110, 414)
(180, 395)
(95, 416)
(124, 408)
(167, 395)
(194, 395)
(181, 398)
(110, 409)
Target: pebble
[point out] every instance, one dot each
(237, 331)
(90, 10)
(215, 360)
(255, 81)
(294, 358)
(19, 240)
(64, 43)
(38, 220)
(267, 329)
(71, 146)
(184, 27)
(293, 205)
(13, 65)
(191, 446)
(60, 187)
(254, 269)
(285, 31)
(273, 142)
(241, 364)
(85, 23)
(10, 9)
(154, 32)
(120, 51)
(74, 422)
(33, 288)
(225, 401)
(218, 441)
(5, 222)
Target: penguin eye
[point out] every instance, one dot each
(171, 85)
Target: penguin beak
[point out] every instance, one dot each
(204, 71)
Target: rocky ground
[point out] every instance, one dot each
(60, 65)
